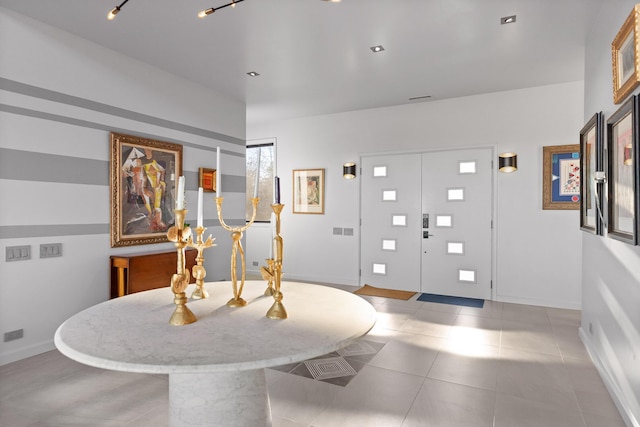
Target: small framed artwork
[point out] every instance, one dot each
(308, 191)
(207, 179)
(143, 176)
(624, 56)
(591, 161)
(561, 177)
(622, 179)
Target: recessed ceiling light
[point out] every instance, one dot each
(508, 19)
(377, 49)
(253, 74)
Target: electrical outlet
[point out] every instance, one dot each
(18, 253)
(348, 231)
(50, 250)
(337, 231)
(255, 263)
(13, 335)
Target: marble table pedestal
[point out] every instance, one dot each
(219, 399)
(216, 365)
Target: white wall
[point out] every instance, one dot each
(611, 269)
(535, 263)
(60, 96)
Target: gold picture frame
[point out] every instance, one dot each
(207, 180)
(308, 191)
(143, 175)
(625, 56)
(561, 177)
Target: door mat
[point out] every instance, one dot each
(387, 293)
(444, 299)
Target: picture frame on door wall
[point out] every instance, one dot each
(561, 177)
(623, 173)
(624, 57)
(592, 172)
(308, 191)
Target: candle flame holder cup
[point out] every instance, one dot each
(236, 237)
(180, 236)
(198, 270)
(277, 310)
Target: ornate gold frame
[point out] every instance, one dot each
(141, 213)
(625, 57)
(207, 180)
(548, 180)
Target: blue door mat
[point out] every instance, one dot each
(444, 299)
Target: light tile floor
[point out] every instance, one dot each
(505, 365)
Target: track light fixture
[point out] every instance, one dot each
(112, 14)
(211, 10)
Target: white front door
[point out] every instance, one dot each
(426, 222)
(457, 202)
(390, 221)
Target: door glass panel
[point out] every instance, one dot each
(455, 248)
(444, 221)
(467, 276)
(379, 171)
(466, 167)
(399, 220)
(379, 268)
(388, 244)
(455, 194)
(389, 195)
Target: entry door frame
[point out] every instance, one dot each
(494, 204)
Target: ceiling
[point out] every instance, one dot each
(314, 56)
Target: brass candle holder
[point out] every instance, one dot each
(277, 310)
(267, 274)
(180, 236)
(236, 236)
(198, 270)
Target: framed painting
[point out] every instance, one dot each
(561, 177)
(207, 179)
(624, 57)
(622, 180)
(143, 176)
(591, 185)
(308, 191)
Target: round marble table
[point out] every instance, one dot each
(215, 365)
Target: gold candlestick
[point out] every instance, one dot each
(236, 236)
(180, 235)
(277, 310)
(198, 270)
(267, 274)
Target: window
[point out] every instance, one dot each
(260, 156)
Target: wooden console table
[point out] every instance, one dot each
(142, 272)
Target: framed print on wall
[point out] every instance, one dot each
(207, 179)
(308, 191)
(143, 176)
(624, 56)
(622, 179)
(561, 177)
(591, 155)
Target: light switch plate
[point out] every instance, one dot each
(18, 253)
(50, 250)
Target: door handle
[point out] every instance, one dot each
(426, 235)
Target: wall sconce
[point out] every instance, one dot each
(507, 162)
(349, 170)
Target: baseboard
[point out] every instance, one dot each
(24, 352)
(616, 394)
(540, 302)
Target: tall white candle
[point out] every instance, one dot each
(200, 203)
(218, 174)
(255, 187)
(180, 193)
